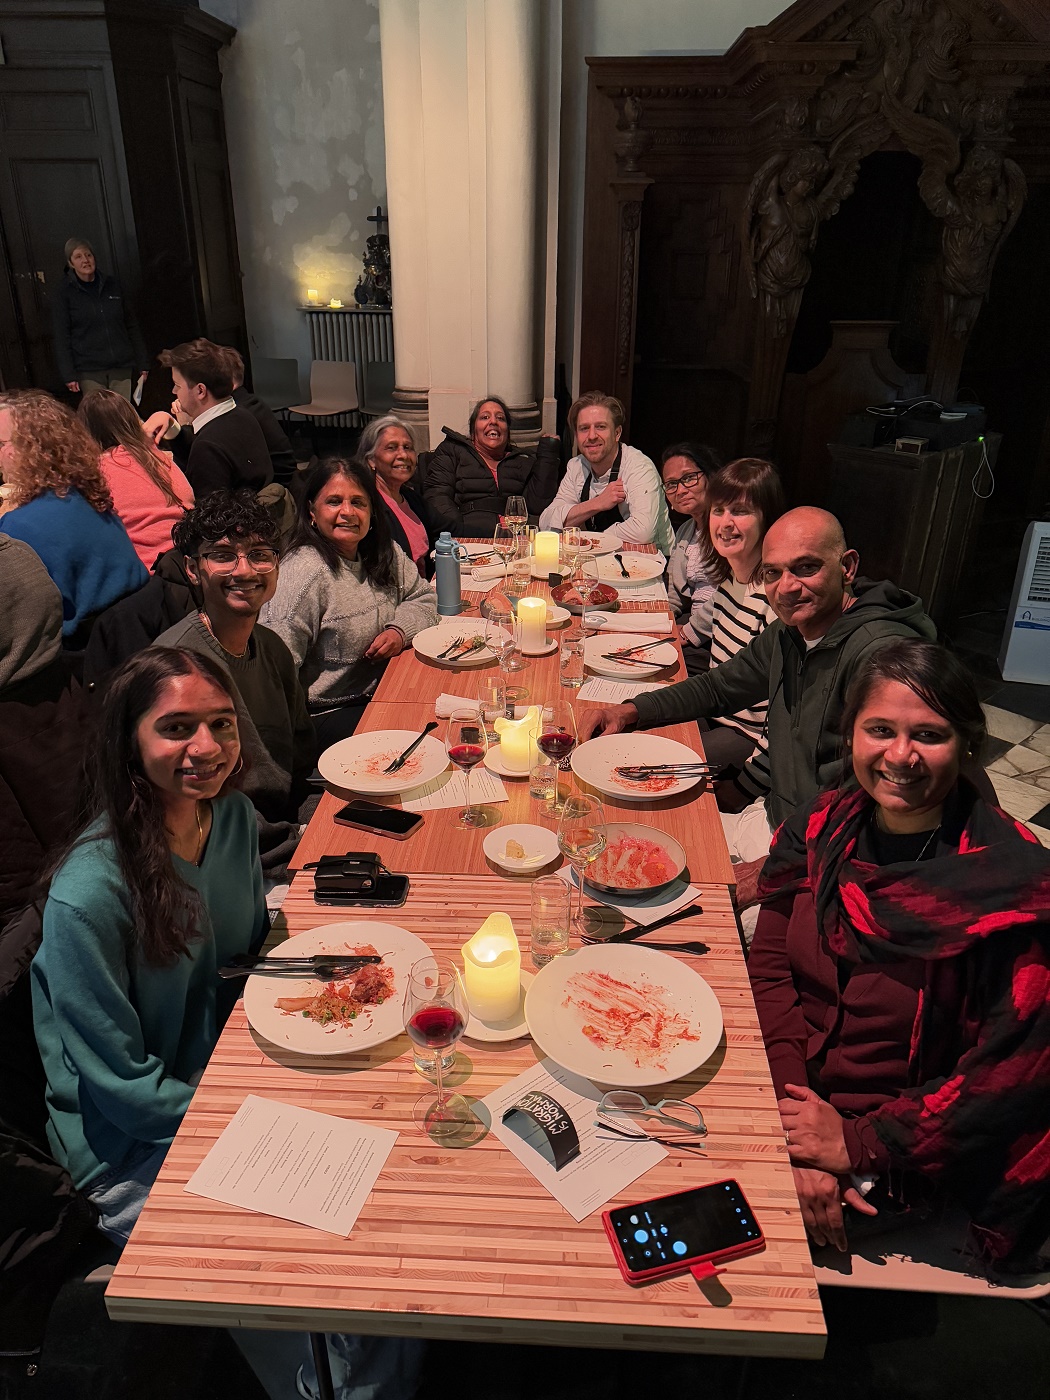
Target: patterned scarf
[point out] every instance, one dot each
(976, 1114)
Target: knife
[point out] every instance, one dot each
(399, 762)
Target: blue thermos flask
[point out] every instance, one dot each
(447, 554)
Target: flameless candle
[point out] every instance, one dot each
(492, 970)
(335, 303)
(546, 550)
(532, 614)
(516, 738)
(311, 296)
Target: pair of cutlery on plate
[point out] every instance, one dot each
(641, 772)
(324, 967)
(465, 646)
(627, 654)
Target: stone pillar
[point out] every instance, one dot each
(466, 87)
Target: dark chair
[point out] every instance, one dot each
(276, 382)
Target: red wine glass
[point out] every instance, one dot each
(466, 744)
(557, 739)
(435, 1018)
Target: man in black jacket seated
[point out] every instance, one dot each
(228, 451)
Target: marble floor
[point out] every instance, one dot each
(1017, 760)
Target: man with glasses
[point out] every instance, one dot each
(231, 549)
(828, 622)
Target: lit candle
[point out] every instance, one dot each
(492, 970)
(312, 296)
(532, 614)
(516, 738)
(546, 550)
(335, 303)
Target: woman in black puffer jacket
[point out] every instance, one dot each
(469, 478)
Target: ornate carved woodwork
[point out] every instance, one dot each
(773, 133)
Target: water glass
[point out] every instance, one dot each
(550, 919)
(521, 569)
(492, 701)
(570, 659)
(543, 777)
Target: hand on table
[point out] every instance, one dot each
(389, 643)
(605, 719)
(747, 873)
(813, 1129)
(821, 1197)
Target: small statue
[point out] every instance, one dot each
(373, 286)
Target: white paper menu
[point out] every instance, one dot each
(295, 1164)
(606, 1163)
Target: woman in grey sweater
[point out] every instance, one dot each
(348, 598)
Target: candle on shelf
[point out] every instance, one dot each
(312, 296)
(516, 739)
(335, 303)
(492, 970)
(532, 614)
(546, 550)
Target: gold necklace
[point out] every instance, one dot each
(200, 833)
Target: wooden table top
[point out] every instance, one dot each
(465, 1243)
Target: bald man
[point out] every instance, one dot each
(828, 622)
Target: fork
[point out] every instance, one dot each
(475, 644)
(458, 641)
(623, 567)
(639, 772)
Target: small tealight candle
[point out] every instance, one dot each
(532, 614)
(312, 296)
(516, 738)
(546, 550)
(335, 303)
(492, 970)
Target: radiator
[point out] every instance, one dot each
(358, 333)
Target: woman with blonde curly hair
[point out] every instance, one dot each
(58, 503)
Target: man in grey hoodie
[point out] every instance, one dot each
(828, 622)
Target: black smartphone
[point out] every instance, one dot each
(389, 892)
(380, 820)
(664, 1236)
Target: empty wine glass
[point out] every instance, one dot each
(582, 837)
(466, 744)
(557, 739)
(435, 1018)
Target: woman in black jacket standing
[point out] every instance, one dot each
(470, 478)
(98, 344)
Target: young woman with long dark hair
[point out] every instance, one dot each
(161, 888)
(348, 598)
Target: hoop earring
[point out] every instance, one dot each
(238, 766)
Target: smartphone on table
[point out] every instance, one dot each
(671, 1234)
(380, 820)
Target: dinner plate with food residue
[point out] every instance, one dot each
(636, 860)
(595, 763)
(336, 1018)
(623, 1015)
(359, 763)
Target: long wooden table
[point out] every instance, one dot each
(465, 1243)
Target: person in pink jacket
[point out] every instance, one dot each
(150, 493)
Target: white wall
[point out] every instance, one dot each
(303, 103)
(617, 29)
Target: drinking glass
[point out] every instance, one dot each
(492, 699)
(466, 744)
(504, 542)
(435, 1018)
(508, 654)
(557, 739)
(570, 658)
(516, 513)
(572, 548)
(550, 919)
(521, 567)
(582, 838)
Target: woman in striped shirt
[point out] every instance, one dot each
(743, 500)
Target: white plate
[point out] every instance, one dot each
(596, 648)
(541, 570)
(550, 645)
(556, 614)
(541, 846)
(356, 764)
(476, 552)
(604, 543)
(672, 1001)
(594, 761)
(375, 1025)
(642, 568)
(494, 763)
(433, 640)
(511, 1029)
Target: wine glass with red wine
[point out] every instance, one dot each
(435, 1018)
(466, 744)
(557, 739)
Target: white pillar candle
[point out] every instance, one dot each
(532, 614)
(516, 738)
(311, 296)
(545, 550)
(492, 970)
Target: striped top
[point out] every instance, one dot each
(741, 612)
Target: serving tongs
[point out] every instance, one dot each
(640, 772)
(324, 967)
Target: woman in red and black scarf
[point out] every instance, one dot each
(901, 970)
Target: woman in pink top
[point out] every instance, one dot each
(150, 493)
(386, 447)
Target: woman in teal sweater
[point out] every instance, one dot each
(162, 887)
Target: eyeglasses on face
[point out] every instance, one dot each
(224, 561)
(687, 482)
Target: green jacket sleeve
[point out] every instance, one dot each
(738, 683)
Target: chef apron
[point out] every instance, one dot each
(604, 519)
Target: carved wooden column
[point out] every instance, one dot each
(629, 189)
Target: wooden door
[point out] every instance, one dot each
(60, 177)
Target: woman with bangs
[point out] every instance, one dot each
(743, 501)
(58, 503)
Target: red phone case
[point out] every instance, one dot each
(701, 1266)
